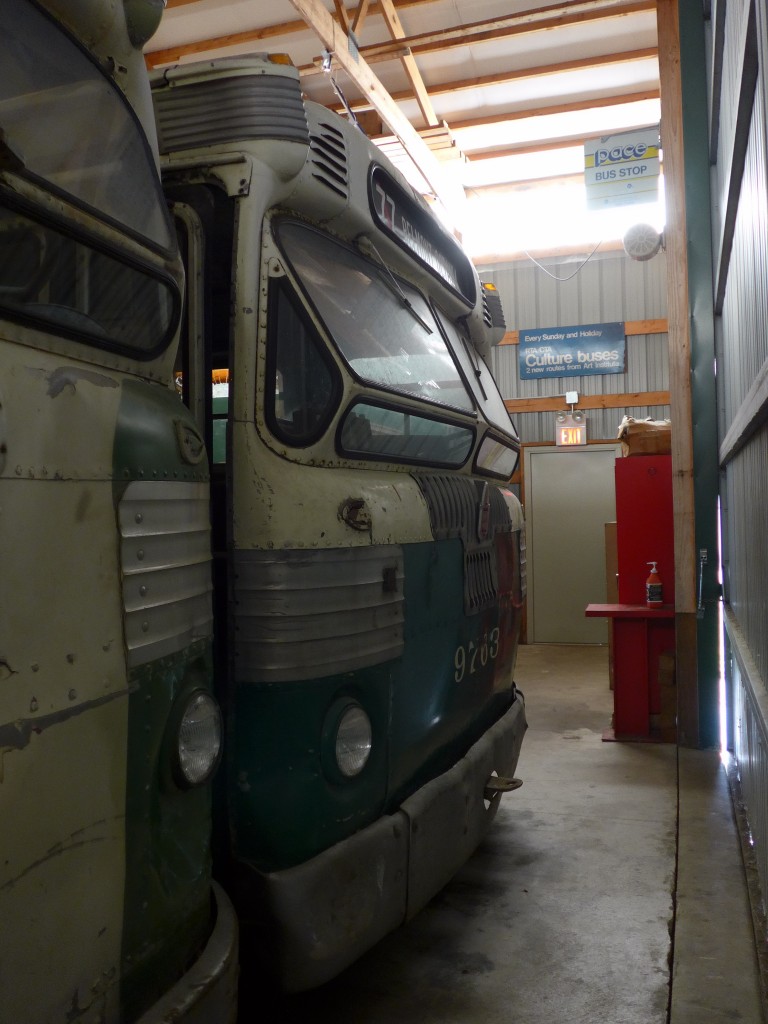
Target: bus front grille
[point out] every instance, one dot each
(223, 110)
(307, 614)
(166, 567)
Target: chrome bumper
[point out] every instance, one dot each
(207, 993)
(320, 916)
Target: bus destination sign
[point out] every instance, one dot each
(400, 216)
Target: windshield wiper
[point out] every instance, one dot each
(10, 160)
(474, 358)
(366, 246)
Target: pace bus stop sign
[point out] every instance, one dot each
(570, 430)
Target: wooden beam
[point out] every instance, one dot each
(448, 192)
(563, 14)
(562, 142)
(360, 15)
(523, 113)
(632, 328)
(678, 312)
(678, 315)
(540, 19)
(172, 54)
(556, 403)
(522, 74)
(342, 15)
(396, 30)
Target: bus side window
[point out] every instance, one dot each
(303, 386)
(219, 414)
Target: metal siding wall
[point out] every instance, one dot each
(750, 749)
(747, 540)
(728, 102)
(742, 349)
(745, 309)
(608, 287)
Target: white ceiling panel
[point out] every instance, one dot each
(509, 77)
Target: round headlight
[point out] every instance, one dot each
(199, 738)
(353, 741)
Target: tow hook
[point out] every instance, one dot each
(497, 784)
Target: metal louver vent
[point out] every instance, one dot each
(480, 580)
(454, 507)
(493, 312)
(240, 108)
(304, 614)
(328, 156)
(475, 512)
(165, 555)
(486, 312)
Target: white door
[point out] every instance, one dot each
(570, 495)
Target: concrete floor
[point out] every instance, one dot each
(581, 897)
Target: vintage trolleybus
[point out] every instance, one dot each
(367, 551)
(109, 732)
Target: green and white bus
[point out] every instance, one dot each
(109, 731)
(368, 560)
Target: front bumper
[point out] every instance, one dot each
(207, 993)
(320, 916)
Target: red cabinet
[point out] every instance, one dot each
(642, 636)
(644, 530)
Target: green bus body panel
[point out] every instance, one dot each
(168, 881)
(152, 424)
(439, 709)
(286, 807)
(168, 858)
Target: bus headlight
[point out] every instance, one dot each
(353, 741)
(198, 741)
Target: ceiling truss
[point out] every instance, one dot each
(350, 48)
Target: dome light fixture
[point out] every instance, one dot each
(642, 242)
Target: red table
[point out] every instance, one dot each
(640, 635)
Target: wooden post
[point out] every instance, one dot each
(678, 316)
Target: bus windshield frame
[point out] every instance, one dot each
(103, 162)
(382, 327)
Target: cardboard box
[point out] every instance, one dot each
(645, 437)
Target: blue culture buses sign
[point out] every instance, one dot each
(572, 351)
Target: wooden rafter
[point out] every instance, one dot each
(172, 54)
(396, 30)
(520, 74)
(343, 20)
(360, 15)
(556, 108)
(561, 15)
(449, 193)
(341, 15)
(543, 19)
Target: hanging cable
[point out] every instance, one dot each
(576, 271)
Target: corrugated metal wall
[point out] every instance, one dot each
(740, 188)
(568, 292)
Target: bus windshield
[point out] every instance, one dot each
(484, 387)
(383, 328)
(101, 159)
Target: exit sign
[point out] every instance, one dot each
(570, 430)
